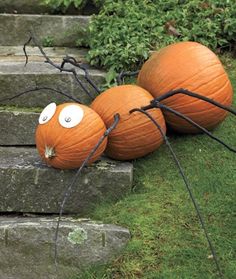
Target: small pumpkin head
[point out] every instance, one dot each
(191, 66)
(135, 135)
(67, 133)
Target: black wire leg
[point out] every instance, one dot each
(72, 184)
(122, 75)
(191, 94)
(49, 61)
(188, 188)
(189, 120)
(72, 61)
(37, 89)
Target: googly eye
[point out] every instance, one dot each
(47, 113)
(71, 116)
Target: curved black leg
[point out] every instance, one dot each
(171, 93)
(122, 75)
(71, 185)
(189, 120)
(37, 89)
(187, 186)
(49, 61)
(72, 61)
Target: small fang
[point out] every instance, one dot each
(49, 152)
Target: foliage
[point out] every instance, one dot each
(48, 41)
(124, 32)
(63, 5)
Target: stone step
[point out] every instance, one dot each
(27, 246)
(53, 30)
(17, 127)
(28, 185)
(15, 77)
(16, 54)
(38, 7)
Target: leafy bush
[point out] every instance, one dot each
(63, 5)
(124, 32)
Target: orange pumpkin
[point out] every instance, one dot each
(135, 135)
(67, 133)
(191, 66)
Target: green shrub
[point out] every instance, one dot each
(63, 5)
(124, 32)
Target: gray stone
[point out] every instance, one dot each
(17, 127)
(15, 78)
(27, 247)
(16, 54)
(53, 30)
(27, 185)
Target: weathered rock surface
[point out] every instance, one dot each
(55, 30)
(27, 246)
(27, 185)
(16, 54)
(17, 127)
(16, 78)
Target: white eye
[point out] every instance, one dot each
(47, 113)
(71, 116)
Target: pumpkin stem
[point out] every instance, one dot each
(49, 152)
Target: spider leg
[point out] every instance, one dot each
(37, 89)
(191, 94)
(72, 184)
(187, 186)
(24, 49)
(123, 74)
(161, 106)
(49, 61)
(71, 60)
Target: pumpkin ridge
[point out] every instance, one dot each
(120, 132)
(131, 147)
(94, 135)
(188, 79)
(208, 82)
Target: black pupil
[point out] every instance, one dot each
(67, 119)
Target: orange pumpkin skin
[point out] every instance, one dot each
(71, 145)
(135, 135)
(191, 66)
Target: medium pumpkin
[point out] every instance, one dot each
(67, 133)
(191, 66)
(135, 135)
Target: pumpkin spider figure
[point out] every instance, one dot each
(127, 122)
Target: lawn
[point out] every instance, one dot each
(167, 239)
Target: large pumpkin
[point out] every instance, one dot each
(67, 133)
(135, 135)
(191, 66)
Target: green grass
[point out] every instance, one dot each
(167, 240)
